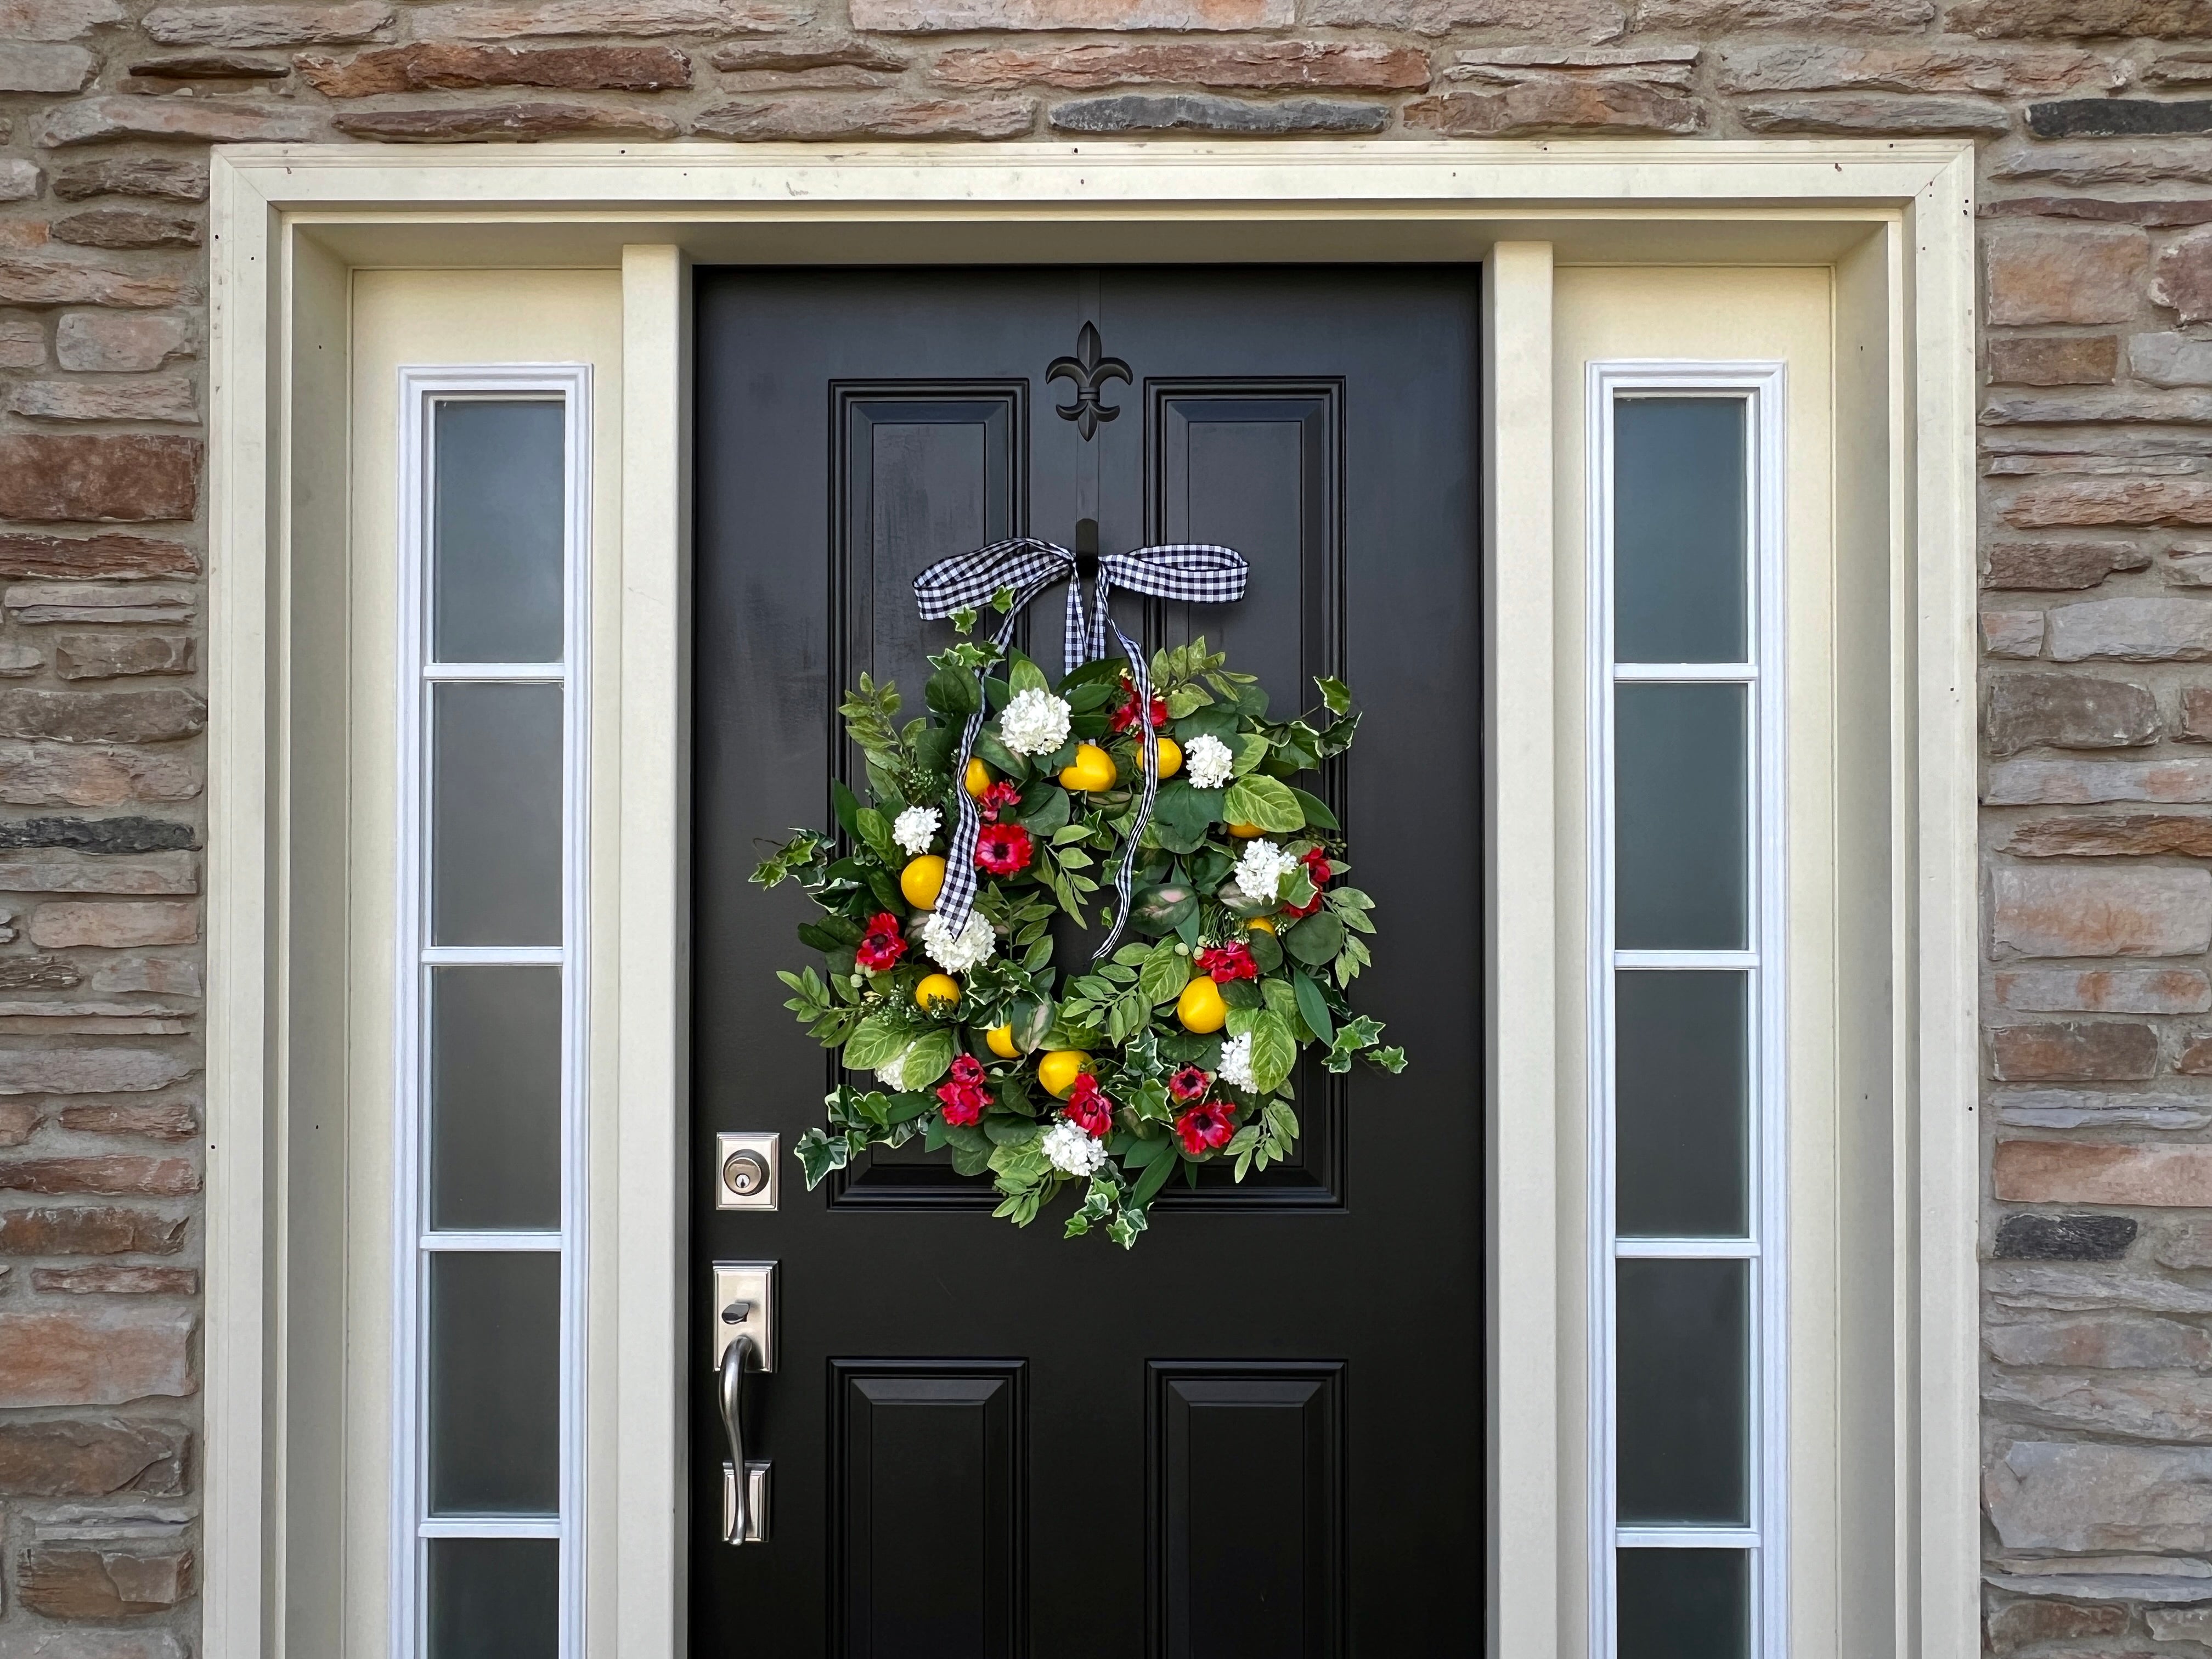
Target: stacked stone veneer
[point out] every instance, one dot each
(2097, 550)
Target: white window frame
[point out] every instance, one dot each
(421, 390)
(1762, 386)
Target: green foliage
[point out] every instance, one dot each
(1265, 801)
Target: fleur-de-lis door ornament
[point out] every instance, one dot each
(1089, 370)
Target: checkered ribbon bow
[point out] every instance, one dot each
(1197, 571)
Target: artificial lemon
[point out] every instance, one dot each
(1245, 831)
(1057, 1070)
(1261, 924)
(976, 779)
(1092, 769)
(936, 990)
(1200, 1008)
(921, 880)
(1001, 1041)
(1170, 757)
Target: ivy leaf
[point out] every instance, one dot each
(1336, 695)
(818, 1155)
(1274, 1052)
(1166, 970)
(1265, 801)
(1391, 1059)
(1312, 1007)
(1355, 1033)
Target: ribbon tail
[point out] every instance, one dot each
(1148, 744)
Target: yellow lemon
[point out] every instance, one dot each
(1245, 831)
(1057, 1070)
(1001, 1041)
(976, 779)
(1261, 924)
(920, 881)
(1170, 757)
(935, 989)
(1092, 769)
(1200, 1008)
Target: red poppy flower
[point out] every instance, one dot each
(965, 1093)
(1089, 1109)
(1317, 864)
(1223, 963)
(1189, 1083)
(1124, 713)
(1203, 1128)
(1003, 849)
(882, 945)
(997, 796)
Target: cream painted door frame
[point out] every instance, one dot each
(1891, 222)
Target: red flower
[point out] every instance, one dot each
(1317, 864)
(997, 796)
(1124, 713)
(1088, 1108)
(1202, 1128)
(882, 945)
(964, 1093)
(1189, 1083)
(1002, 849)
(1223, 963)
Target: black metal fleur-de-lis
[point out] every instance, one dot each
(1089, 371)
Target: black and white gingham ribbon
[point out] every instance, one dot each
(1200, 572)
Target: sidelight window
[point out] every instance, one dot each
(1685, 997)
(489, 1171)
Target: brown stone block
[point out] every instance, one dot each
(2089, 274)
(273, 24)
(831, 77)
(90, 1230)
(122, 924)
(92, 1071)
(805, 53)
(2084, 19)
(183, 120)
(2054, 359)
(64, 1581)
(120, 342)
(109, 1175)
(1995, 70)
(67, 557)
(22, 340)
(155, 1120)
(1874, 114)
(112, 656)
(1556, 104)
(208, 66)
(161, 177)
(1575, 20)
(428, 64)
(2142, 911)
(38, 974)
(2101, 1343)
(161, 715)
(1256, 64)
(2131, 502)
(2087, 1172)
(485, 122)
(44, 775)
(2060, 1050)
(485, 20)
(19, 1121)
(2103, 991)
(94, 1356)
(2183, 278)
(167, 397)
(126, 228)
(98, 1457)
(56, 19)
(40, 279)
(124, 478)
(2057, 567)
(822, 115)
(1709, 17)
(947, 17)
(2117, 834)
(25, 67)
(108, 1280)
(2012, 633)
(2067, 711)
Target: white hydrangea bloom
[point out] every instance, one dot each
(1208, 762)
(1260, 872)
(1237, 1062)
(914, 829)
(972, 948)
(1071, 1150)
(1035, 722)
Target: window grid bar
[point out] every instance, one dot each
(1686, 960)
(492, 955)
(1684, 673)
(1686, 1249)
(1688, 1538)
(489, 1526)
(520, 674)
(542, 1242)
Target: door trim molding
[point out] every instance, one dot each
(289, 222)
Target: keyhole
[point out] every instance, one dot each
(745, 1173)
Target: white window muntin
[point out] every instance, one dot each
(1761, 387)
(417, 1242)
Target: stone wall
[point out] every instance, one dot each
(2097, 197)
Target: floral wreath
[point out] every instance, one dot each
(1174, 1050)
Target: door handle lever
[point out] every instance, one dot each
(744, 1500)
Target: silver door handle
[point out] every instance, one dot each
(743, 1322)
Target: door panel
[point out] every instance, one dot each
(1260, 1431)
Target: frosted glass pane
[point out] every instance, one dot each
(1682, 1097)
(495, 1598)
(495, 1097)
(1681, 829)
(1685, 1604)
(496, 509)
(1679, 524)
(494, 1383)
(1681, 1373)
(495, 815)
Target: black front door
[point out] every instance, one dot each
(1259, 1434)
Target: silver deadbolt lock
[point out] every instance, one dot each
(745, 1171)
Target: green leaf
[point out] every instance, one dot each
(1185, 701)
(818, 1155)
(1312, 1007)
(1160, 909)
(1167, 969)
(878, 1038)
(1044, 808)
(1149, 1183)
(1265, 801)
(1318, 816)
(1181, 815)
(874, 831)
(1355, 1033)
(952, 693)
(929, 1058)
(1336, 695)
(845, 803)
(1143, 1154)
(1391, 1059)
(1274, 1052)
(1251, 749)
(1266, 949)
(996, 756)
(1241, 993)
(1023, 675)
(1316, 939)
